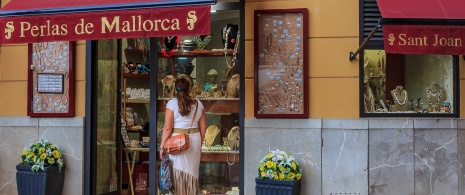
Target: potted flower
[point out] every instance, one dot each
(40, 169)
(279, 173)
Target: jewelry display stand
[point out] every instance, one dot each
(281, 63)
(435, 94)
(51, 79)
(400, 96)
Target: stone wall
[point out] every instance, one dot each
(16, 133)
(364, 156)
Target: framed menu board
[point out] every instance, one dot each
(51, 79)
(281, 63)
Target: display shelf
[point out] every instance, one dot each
(213, 105)
(205, 53)
(136, 101)
(136, 51)
(219, 156)
(130, 75)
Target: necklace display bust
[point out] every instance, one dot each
(435, 94)
(400, 97)
(210, 134)
(369, 99)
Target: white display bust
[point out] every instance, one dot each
(400, 97)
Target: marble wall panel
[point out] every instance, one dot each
(436, 161)
(461, 156)
(286, 135)
(16, 133)
(344, 160)
(68, 134)
(391, 163)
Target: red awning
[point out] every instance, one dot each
(419, 38)
(422, 9)
(23, 21)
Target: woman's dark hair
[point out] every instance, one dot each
(183, 85)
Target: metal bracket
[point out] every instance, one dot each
(352, 55)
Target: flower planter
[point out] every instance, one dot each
(275, 187)
(47, 182)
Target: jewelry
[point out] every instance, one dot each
(397, 99)
(233, 86)
(211, 135)
(140, 68)
(202, 42)
(168, 86)
(235, 140)
(171, 52)
(369, 99)
(438, 100)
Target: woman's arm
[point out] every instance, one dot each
(167, 128)
(202, 126)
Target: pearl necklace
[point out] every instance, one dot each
(370, 99)
(397, 99)
(438, 100)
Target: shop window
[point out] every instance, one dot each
(403, 85)
(408, 84)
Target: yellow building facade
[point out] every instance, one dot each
(333, 104)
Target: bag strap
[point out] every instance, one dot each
(193, 118)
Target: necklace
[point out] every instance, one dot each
(215, 132)
(140, 68)
(438, 100)
(171, 52)
(397, 99)
(235, 134)
(370, 99)
(236, 144)
(226, 31)
(202, 43)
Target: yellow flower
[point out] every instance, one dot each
(262, 168)
(281, 168)
(24, 152)
(298, 176)
(41, 150)
(31, 155)
(263, 174)
(294, 166)
(282, 154)
(43, 156)
(34, 158)
(291, 175)
(269, 164)
(275, 177)
(56, 154)
(268, 155)
(274, 165)
(51, 160)
(281, 176)
(52, 147)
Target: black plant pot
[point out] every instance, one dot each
(47, 182)
(276, 187)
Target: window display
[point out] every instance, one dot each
(395, 83)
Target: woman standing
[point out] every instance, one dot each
(183, 114)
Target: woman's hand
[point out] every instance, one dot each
(162, 153)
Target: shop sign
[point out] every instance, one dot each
(151, 22)
(424, 39)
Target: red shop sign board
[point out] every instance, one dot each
(150, 22)
(424, 39)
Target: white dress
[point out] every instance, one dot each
(186, 164)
